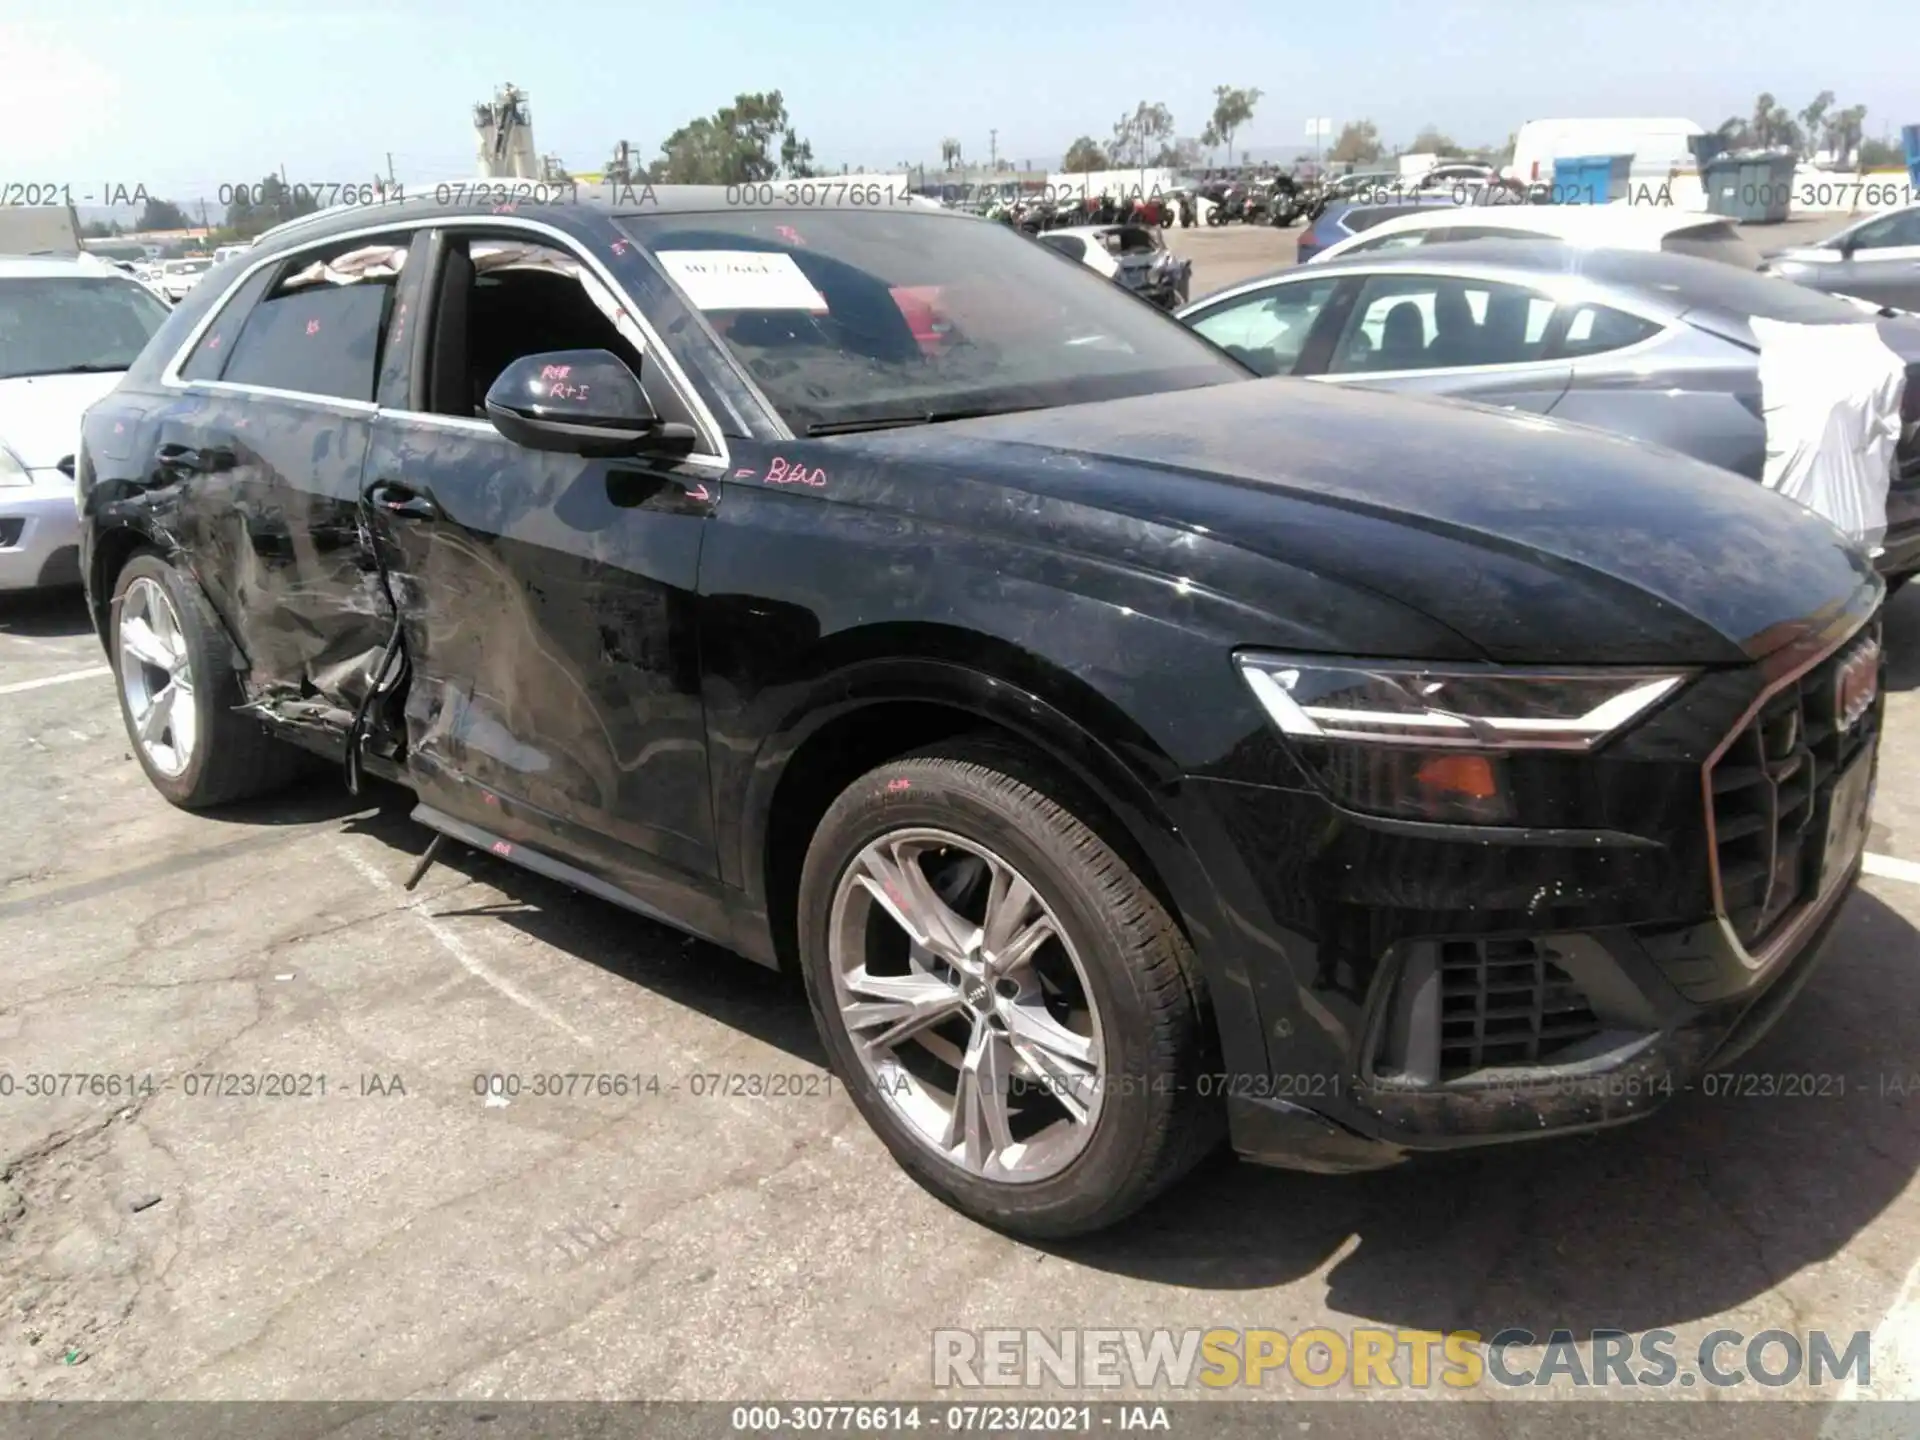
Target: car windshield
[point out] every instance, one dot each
(1130, 240)
(65, 325)
(853, 319)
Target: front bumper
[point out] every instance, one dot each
(39, 533)
(1423, 987)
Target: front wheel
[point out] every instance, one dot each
(1013, 1011)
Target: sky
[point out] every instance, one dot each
(182, 96)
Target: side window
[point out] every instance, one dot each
(500, 297)
(1899, 229)
(1905, 230)
(1431, 322)
(318, 331)
(1365, 219)
(1492, 232)
(211, 351)
(1071, 246)
(1404, 240)
(1596, 329)
(1267, 331)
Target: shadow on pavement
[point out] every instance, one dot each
(1901, 637)
(1698, 1210)
(1701, 1208)
(45, 614)
(750, 998)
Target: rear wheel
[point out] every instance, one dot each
(1011, 1008)
(179, 695)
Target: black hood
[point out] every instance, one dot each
(1533, 540)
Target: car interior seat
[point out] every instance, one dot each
(1403, 338)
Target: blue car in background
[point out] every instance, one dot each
(1340, 220)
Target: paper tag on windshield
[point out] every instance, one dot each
(741, 280)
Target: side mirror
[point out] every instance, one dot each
(579, 402)
(1846, 245)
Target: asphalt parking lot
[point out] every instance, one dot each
(405, 1234)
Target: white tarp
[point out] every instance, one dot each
(1830, 395)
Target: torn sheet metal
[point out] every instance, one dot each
(1831, 397)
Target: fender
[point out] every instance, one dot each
(1133, 780)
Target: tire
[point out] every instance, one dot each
(1153, 1035)
(225, 755)
(1897, 583)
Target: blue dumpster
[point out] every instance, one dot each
(1910, 134)
(1591, 179)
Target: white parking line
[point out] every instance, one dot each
(92, 672)
(1888, 868)
(452, 945)
(1895, 1375)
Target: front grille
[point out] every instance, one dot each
(1769, 791)
(1502, 1002)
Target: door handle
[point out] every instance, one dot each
(401, 502)
(190, 460)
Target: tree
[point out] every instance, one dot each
(1085, 155)
(734, 146)
(1180, 155)
(1232, 108)
(1140, 134)
(1431, 142)
(162, 215)
(1358, 143)
(796, 157)
(1814, 119)
(1879, 154)
(949, 154)
(1773, 124)
(1844, 131)
(259, 207)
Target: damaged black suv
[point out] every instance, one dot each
(1125, 749)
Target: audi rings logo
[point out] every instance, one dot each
(1857, 684)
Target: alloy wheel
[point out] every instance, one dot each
(156, 677)
(967, 1004)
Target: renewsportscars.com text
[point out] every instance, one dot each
(1366, 1358)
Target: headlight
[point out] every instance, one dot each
(1430, 742)
(12, 470)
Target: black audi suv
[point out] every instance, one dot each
(1127, 751)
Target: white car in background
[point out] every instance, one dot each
(177, 277)
(1619, 226)
(1134, 257)
(69, 328)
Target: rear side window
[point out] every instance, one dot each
(1430, 322)
(1493, 232)
(1070, 246)
(1366, 218)
(214, 348)
(318, 331)
(1596, 329)
(1404, 240)
(1719, 241)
